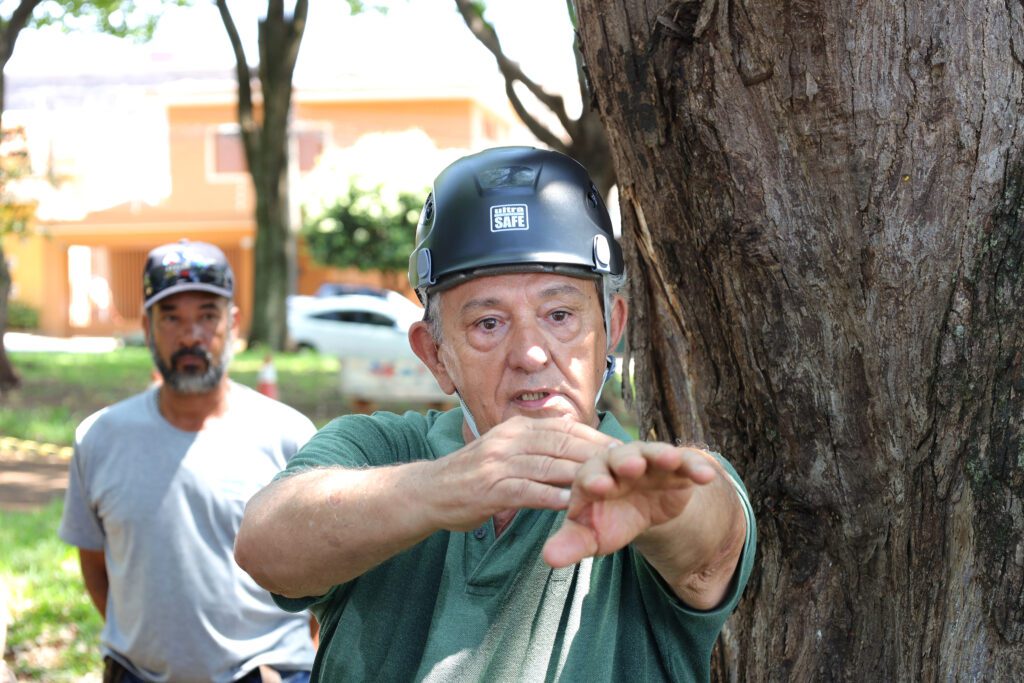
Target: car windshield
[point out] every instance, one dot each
(393, 310)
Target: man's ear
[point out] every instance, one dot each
(424, 346)
(620, 312)
(234, 320)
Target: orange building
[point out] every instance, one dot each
(83, 275)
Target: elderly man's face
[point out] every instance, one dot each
(528, 344)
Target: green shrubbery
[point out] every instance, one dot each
(22, 316)
(369, 228)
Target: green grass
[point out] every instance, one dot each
(59, 390)
(49, 424)
(54, 635)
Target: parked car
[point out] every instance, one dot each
(345, 288)
(353, 325)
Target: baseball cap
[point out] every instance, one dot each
(186, 266)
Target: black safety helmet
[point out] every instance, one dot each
(186, 266)
(512, 209)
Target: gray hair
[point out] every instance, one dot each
(432, 315)
(613, 285)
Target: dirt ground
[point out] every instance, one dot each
(28, 482)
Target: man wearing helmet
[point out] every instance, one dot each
(523, 536)
(157, 486)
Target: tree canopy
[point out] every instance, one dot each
(123, 18)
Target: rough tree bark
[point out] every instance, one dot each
(265, 140)
(822, 208)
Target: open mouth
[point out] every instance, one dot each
(532, 396)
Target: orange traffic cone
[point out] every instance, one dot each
(268, 378)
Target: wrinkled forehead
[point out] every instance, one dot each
(514, 289)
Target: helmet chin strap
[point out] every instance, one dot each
(468, 416)
(606, 299)
(609, 369)
(608, 372)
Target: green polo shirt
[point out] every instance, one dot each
(472, 607)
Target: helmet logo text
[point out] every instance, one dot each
(509, 217)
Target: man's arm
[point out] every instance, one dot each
(698, 552)
(94, 573)
(342, 522)
(328, 526)
(676, 505)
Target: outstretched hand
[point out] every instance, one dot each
(621, 494)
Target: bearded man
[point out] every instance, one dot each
(157, 487)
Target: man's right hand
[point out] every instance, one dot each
(521, 463)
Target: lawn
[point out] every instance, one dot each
(61, 389)
(55, 629)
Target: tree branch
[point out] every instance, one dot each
(246, 120)
(295, 31)
(280, 37)
(511, 71)
(537, 128)
(22, 13)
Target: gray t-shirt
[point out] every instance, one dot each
(165, 505)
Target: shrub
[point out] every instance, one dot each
(22, 316)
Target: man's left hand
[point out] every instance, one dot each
(621, 494)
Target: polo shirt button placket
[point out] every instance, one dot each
(480, 533)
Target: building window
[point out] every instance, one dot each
(311, 146)
(228, 153)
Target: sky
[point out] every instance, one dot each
(425, 39)
(93, 87)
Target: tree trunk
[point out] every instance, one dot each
(275, 249)
(273, 252)
(266, 153)
(589, 146)
(822, 210)
(8, 377)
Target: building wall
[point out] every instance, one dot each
(447, 122)
(38, 274)
(218, 207)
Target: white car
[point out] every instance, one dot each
(353, 325)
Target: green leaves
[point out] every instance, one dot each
(366, 228)
(134, 19)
